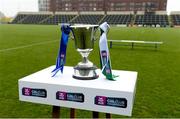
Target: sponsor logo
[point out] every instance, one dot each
(34, 92)
(108, 71)
(62, 55)
(111, 101)
(104, 53)
(66, 96)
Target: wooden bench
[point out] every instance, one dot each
(133, 43)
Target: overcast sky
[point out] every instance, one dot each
(11, 7)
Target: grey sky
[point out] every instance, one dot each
(11, 7)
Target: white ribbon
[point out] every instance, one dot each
(103, 45)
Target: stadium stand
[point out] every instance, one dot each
(152, 18)
(18, 18)
(56, 19)
(34, 19)
(87, 19)
(118, 19)
(60, 17)
(114, 18)
(175, 17)
(73, 19)
(116, 12)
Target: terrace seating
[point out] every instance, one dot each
(117, 19)
(87, 19)
(152, 19)
(176, 19)
(18, 18)
(35, 19)
(58, 19)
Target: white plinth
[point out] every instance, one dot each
(124, 87)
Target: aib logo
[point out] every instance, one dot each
(104, 53)
(108, 71)
(62, 55)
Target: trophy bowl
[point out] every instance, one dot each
(84, 37)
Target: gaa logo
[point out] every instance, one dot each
(27, 91)
(61, 95)
(104, 54)
(62, 55)
(108, 71)
(100, 100)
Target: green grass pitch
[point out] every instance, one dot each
(25, 49)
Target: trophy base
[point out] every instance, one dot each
(85, 73)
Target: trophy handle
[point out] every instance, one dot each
(71, 36)
(95, 36)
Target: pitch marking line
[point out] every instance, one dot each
(26, 46)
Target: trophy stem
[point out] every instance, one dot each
(85, 62)
(85, 69)
(84, 57)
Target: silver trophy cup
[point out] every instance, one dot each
(84, 37)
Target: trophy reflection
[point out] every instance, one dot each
(84, 37)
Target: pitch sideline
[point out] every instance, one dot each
(26, 46)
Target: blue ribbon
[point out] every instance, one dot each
(61, 59)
